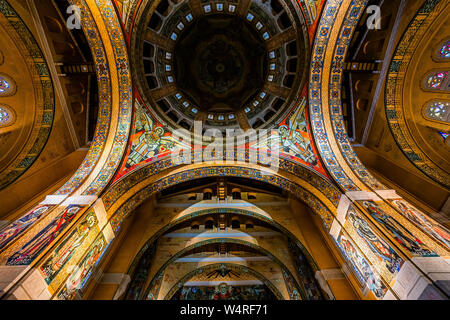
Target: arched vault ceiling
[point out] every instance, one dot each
(397, 109)
(35, 111)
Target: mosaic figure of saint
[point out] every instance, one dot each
(431, 227)
(81, 272)
(66, 250)
(405, 238)
(381, 249)
(149, 139)
(46, 236)
(373, 282)
(146, 138)
(223, 292)
(294, 136)
(21, 225)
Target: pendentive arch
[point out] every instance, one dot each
(99, 22)
(330, 49)
(104, 34)
(336, 29)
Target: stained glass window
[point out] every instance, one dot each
(4, 85)
(435, 81)
(438, 110)
(444, 135)
(444, 50)
(7, 85)
(6, 116)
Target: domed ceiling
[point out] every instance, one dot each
(226, 64)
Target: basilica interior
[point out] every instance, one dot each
(116, 182)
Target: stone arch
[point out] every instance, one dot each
(99, 21)
(127, 194)
(325, 96)
(186, 250)
(191, 274)
(200, 213)
(240, 212)
(115, 106)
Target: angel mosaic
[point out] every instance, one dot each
(293, 137)
(149, 139)
(434, 229)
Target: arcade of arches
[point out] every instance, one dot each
(96, 204)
